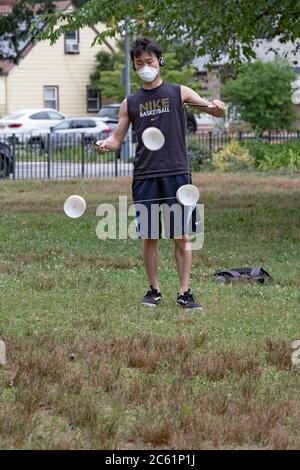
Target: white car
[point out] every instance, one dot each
(24, 122)
(72, 131)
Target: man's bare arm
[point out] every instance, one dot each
(215, 108)
(114, 142)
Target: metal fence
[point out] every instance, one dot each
(62, 156)
(213, 141)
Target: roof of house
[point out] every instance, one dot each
(263, 52)
(25, 46)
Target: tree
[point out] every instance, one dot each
(108, 72)
(17, 28)
(205, 26)
(262, 94)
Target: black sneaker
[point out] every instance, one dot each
(186, 300)
(152, 297)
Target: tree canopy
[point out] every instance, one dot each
(213, 27)
(17, 27)
(261, 93)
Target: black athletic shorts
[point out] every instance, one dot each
(155, 196)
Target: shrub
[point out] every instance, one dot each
(258, 148)
(285, 155)
(286, 158)
(233, 157)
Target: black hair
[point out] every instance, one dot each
(145, 44)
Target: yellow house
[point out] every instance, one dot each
(54, 76)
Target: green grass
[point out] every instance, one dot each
(88, 367)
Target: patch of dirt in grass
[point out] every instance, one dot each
(216, 421)
(144, 360)
(41, 357)
(87, 395)
(87, 412)
(156, 434)
(293, 282)
(142, 351)
(38, 207)
(119, 262)
(53, 432)
(11, 269)
(47, 282)
(13, 426)
(217, 182)
(217, 366)
(49, 196)
(38, 256)
(278, 353)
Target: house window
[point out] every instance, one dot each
(72, 42)
(51, 97)
(93, 100)
(72, 36)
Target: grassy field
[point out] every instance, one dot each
(88, 367)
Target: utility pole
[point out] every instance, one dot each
(128, 153)
(127, 61)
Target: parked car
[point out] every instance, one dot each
(70, 131)
(24, 122)
(6, 161)
(110, 114)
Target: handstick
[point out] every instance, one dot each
(195, 104)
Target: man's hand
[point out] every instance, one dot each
(114, 142)
(218, 104)
(218, 108)
(101, 146)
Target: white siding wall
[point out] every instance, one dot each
(49, 65)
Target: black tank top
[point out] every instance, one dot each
(162, 108)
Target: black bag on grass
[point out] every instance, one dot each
(229, 276)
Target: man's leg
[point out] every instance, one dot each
(183, 256)
(151, 261)
(145, 193)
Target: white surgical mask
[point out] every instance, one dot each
(147, 74)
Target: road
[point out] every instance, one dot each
(66, 170)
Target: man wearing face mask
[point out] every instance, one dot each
(158, 174)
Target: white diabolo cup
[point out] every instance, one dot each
(74, 206)
(188, 195)
(153, 138)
